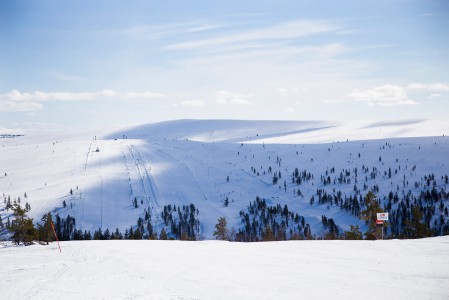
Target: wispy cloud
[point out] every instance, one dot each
(429, 86)
(143, 95)
(225, 97)
(30, 101)
(434, 95)
(282, 31)
(386, 95)
(268, 53)
(287, 92)
(10, 131)
(193, 103)
(174, 29)
(65, 77)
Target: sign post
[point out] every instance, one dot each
(381, 217)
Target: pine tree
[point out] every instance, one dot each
(107, 234)
(22, 227)
(98, 234)
(372, 207)
(163, 234)
(268, 234)
(354, 233)
(221, 230)
(414, 228)
(137, 234)
(45, 231)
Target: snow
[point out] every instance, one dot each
(188, 161)
(394, 269)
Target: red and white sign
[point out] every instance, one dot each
(382, 216)
(379, 222)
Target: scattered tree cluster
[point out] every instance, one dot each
(181, 222)
(260, 222)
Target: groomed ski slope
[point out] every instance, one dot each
(393, 269)
(189, 161)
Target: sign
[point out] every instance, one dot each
(379, 222)
(382, 216)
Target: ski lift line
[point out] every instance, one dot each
(141, 177)
(102, 195)
(127, 169)
(138, 169)
(87, 156)
(152, 187)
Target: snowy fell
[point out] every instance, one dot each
(154, 172)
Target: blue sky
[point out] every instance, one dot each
(69, 64)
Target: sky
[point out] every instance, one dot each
(95, 63)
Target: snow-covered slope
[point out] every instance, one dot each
(101, 178)
(405, 269)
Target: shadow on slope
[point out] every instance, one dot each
(217, 130)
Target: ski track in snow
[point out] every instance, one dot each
(405, 269)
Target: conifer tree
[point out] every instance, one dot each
(22, 227)
(268, 234)
(163, 234)
(354, 233)
(414, 228)
(221, 229)
(45, 231)
(372, 207)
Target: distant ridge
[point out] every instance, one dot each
(283, 132)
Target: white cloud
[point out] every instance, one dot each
(24, 101)
(19, 106)
(386, 95)
(286, 92)
(193, 103)
(429, 86)
(174, 29)
(226, 97)
(17, 96)
(10, 131)
(286, 30)
(434, 95)
(65, 77)
(144, 95)
(289, 110)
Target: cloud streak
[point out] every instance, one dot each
(193, 103)
(437, 87)
(282, 31)
(31, 101)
